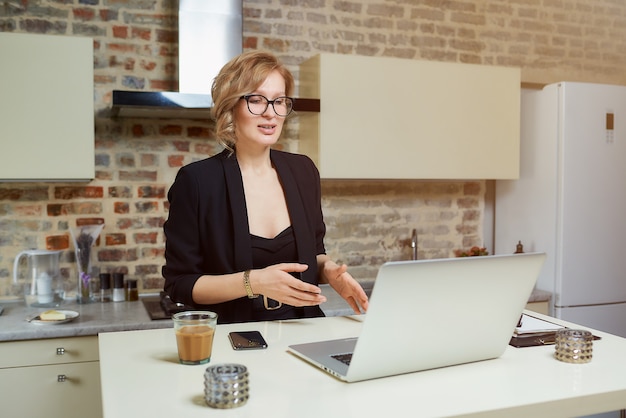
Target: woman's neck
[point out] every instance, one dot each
(254, 161)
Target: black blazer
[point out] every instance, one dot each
(207, 229)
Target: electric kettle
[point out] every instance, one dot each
(43, 286)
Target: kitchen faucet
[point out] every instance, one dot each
(414, 244)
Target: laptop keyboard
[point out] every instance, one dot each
(344, 358)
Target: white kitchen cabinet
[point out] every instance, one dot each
(392, 118)
(57, 377)
(46, 108)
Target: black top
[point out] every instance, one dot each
(207, 230)
(267, 252)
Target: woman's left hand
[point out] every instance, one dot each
(345, 285)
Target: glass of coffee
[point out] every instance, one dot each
(194, 335)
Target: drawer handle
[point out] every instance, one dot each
(61, 378)
(60, 351)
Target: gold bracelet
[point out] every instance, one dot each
(246, 284)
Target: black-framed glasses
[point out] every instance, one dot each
(257, 104)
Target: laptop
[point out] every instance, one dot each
(428, 314)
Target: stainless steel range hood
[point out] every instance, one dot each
(210, 33)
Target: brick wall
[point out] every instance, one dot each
(368, 222)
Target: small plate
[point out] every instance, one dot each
(69, 316)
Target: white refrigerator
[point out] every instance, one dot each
(570, 200)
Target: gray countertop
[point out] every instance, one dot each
(95, 318)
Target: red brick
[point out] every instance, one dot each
(104, 175)
(147, 65)
(155, 222)
(151, 191)
(115, 239)
(124, 223)
(471, 215)
(137, 130)
(24, 194)
(121, 207)
(469, 202)
(250, 42)
(145, 238)
(57, 242)
(209, 149)
(169, 130)
(199, 132)
(146, 207)
(28, 210)
(73, 208)
(104, 79)
(147, 253)
(472, 188)
(176, 160)
(183, 146)
(68, 192)
(108, 15)
(84, 14)
(120, 191)
(121, 47)
(129, 64)
(139, 175)
(146, 269)
(126, 160)
(55, 210)
(166, 36)
(89, 221)
(105, 255)
(164, 85)
(140, 33)
(147, 160)
(153, 283)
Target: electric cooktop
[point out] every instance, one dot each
(162, 307)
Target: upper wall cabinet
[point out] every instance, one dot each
(47, 108)
(391, 118)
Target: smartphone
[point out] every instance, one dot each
(247, 340)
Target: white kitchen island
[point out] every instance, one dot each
(141, 376)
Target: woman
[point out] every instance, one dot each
(244, 237)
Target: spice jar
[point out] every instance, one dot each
(132, 294)
(105, 287)
(118, 287)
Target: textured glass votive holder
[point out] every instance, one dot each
(226, 386)
(574, 346)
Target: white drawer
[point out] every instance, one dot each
(48, 351)
(62, 390)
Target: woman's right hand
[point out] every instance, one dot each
(278, 283)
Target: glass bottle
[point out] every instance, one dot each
(105, 287)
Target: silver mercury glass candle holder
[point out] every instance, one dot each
(226, 386)
(574, 346)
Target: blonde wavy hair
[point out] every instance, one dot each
(240, 76)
